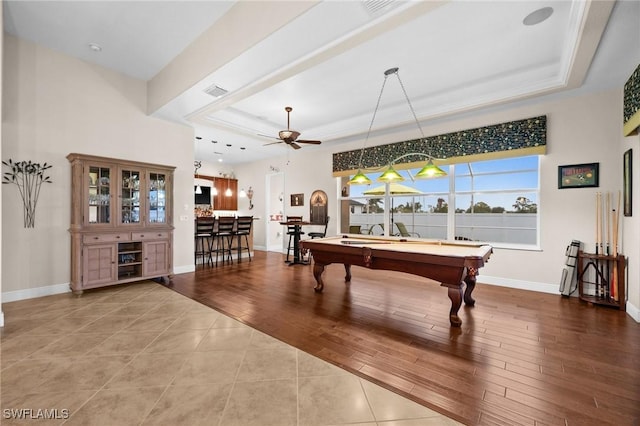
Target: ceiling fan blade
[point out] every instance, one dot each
(295, 145)
(272, 143)
(311, 142)
(267, 136)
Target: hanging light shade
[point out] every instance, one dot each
(198, 190)
(430, 170)
(390, 175)
(228, 192)
(360, 179)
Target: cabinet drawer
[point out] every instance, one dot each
(149, 235)
(106, 238)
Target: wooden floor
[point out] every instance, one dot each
(520, 357)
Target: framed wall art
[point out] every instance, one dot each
(297, 200)
(626, 181)
(578, 176)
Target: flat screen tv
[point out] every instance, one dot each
(205, 197)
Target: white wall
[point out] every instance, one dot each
(54, 105)
(582, 129)
(631, 228)
(1, 239)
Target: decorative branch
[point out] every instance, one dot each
(28, 177)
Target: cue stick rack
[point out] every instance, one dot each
(601, 279)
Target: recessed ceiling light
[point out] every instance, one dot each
(214, 141)
(538, 16)
(242, 148)
(228, 144)
(198, 137)
(95, 47)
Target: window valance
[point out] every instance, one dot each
(631, 104)
(511, 139)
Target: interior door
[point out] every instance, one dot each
(275, 208)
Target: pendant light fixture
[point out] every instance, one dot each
(391, 175)
(214, 189)
(228, 192)
(430, 169)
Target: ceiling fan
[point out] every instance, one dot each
(289, 136)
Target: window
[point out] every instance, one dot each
(493, 201)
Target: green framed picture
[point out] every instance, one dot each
(626, 182)
(578, 176)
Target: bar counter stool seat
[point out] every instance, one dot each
(291, 232)
(320, 234)
(223, 235)
(243, 229)
(203, 240)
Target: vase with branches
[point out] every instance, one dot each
(28, 177)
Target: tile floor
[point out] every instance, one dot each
(144, 355)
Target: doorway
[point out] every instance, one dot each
(274, 211)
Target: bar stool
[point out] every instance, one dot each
(243, 228)
(223, 235)
(320, 234)
(291, 232)
(203, 239)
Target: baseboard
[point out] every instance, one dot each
(31, 293)
(519, 284)
(184, 269)
(633, 311)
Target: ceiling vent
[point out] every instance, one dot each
(215, 91)
(376, 7)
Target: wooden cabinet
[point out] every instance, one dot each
(121, 221)
(221, 201)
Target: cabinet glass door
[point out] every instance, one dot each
(99, 194)
(158, 198)
(130, 196)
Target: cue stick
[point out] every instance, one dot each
(597, 220)
(367, 242)
(598, 241)
(403, 241)
(608, 223)
(606, 288)
(616, 223)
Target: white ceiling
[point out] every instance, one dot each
(329, 63)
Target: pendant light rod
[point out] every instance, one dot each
(360, 178)
(429, 170)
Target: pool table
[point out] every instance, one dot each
(451, 264)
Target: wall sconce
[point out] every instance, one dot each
(391, 175)
(197, 165)
(250, 197)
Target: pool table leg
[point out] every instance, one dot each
(318, 269)
(347, 272)
(455, 294)
(470, 280)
